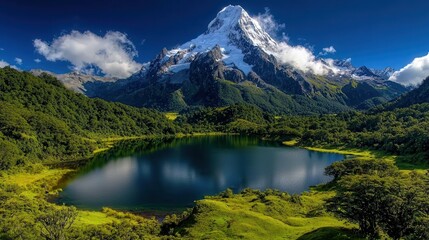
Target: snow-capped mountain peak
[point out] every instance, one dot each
(233, 30)
(226, 19)
(235, 22)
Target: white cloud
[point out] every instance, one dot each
(18, 61)
(302, 58)
(297, 56)
(269, 24)
(414, 73)
(285, 37)
(112, 53)
(5, 64)
(327, 50)
(37, 60)
(1, 49)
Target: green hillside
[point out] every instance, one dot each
(40, 120)
(416, 96)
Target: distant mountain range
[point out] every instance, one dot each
(236, 61)
(77, 81)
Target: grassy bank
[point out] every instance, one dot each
(39, 184)
(271, 214)
(404, 163)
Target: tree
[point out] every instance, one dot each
(405, 205)
(357, 166)
(396, 205)
(55, 221)
(9, 154)
(362, 200)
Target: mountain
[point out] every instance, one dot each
(415, 96)
(236, 61)
(363, 72)
(385, 73)
(77, 81)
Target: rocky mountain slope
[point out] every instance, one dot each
(77, 81)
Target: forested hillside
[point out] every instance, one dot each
(42, 120)
(401, 131)
(416, 96)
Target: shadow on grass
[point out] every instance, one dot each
(331, 233)
(412, 162)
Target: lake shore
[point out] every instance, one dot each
(45, 183)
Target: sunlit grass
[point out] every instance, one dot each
(248, 217)
(93, 218)
(171, 115)
(404, 163)
(25, 178)
(290, 143)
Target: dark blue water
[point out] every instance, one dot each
(174, 173)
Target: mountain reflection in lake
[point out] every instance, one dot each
(172, 174)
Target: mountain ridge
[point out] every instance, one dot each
(236, 61)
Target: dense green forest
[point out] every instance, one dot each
(416, 96)
(401, 131)
(42, 122)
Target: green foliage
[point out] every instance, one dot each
(400, 131)
(254, 214)
(56, 221)
(40, 120)
(25, 213)
(377, 198)
(331, 233)
(416, 96)
(227, 193)
(238, 117)
(10, 154)
(358, 166)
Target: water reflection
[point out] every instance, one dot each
(174, 173)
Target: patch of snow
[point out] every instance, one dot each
(236, 59)
(179, 67)
(360, 78)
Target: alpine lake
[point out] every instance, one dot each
(168, 175)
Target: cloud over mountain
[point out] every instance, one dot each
(414, 73)
(298, 56)
(5, 64)
(328, 50)
(112, 53)
(268, 23)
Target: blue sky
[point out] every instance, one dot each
(373, 33)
